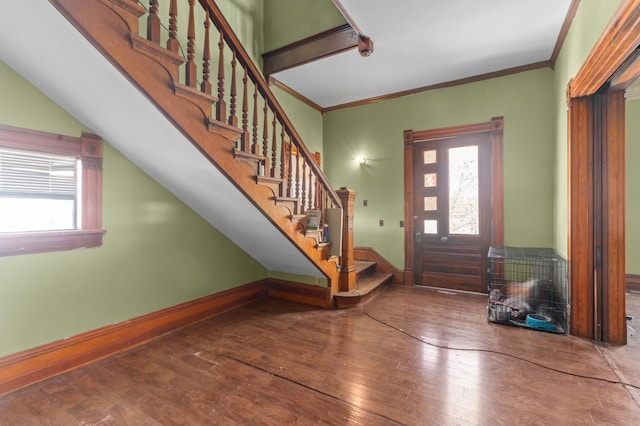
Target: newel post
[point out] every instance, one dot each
(348, 271)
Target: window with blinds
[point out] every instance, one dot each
(50, 191)
(38, 191)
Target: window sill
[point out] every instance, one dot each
(48, 241)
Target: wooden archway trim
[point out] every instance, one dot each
(619, 39)
(596, 161)
(496, 128)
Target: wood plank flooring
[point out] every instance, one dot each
(279, 363)
(625, 360)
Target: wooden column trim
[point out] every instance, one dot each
(348, 271)
(497, 181)
(409, 221)
(581, 238)
(614, 234)
(594, 123)
(91, 181)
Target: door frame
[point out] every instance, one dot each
(496, 129)
(595, 98)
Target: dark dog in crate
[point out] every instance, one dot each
(526, 297)
(543, 294)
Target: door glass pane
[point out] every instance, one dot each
(430, 226)
(430, 203)
(430, 156)
(463, 191)
(430, 180)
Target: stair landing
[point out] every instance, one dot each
(368, 285)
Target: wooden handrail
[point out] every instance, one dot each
(256, 77)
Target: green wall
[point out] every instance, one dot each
(246, 17)
(306, 120)
(633, 194)
(376, 131)
(588, 24)
(156, 253)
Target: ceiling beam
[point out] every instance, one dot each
(321, 45)
(365, 44)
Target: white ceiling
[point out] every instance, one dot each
(420, 43)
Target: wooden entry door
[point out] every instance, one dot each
(452, 211)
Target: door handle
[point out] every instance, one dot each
(444, 239)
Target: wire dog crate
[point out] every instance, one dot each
(528, 287)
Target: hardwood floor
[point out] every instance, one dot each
(625, 360)
(275, 362)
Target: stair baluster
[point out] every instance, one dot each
(233, 117)
(274, 149)
(312, 201)
(292, 183)
(236, 47)
(284, 192)
(254, 129)
(244, 146)
(221, 106)
(205, 86)
(153, 22)
(172, 42)
(265, 138)
(191, 67)
(302, 181)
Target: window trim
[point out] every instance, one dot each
(88, 148)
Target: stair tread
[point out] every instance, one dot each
(366, 285)
(362, 265)
(262, 178)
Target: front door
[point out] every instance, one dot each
(452, 211)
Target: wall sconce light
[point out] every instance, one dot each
(361, 160)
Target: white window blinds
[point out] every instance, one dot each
(25, 173)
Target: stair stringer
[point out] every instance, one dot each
(110, 35)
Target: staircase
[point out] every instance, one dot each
(214, 135)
